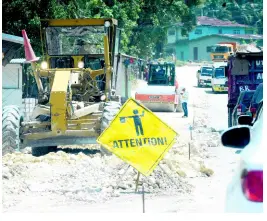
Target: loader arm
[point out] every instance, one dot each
(107, 64)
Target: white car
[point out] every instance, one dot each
(245, 191)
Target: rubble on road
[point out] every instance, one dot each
(80, 175)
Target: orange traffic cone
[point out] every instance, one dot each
(29, 53)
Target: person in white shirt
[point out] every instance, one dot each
(184, 101)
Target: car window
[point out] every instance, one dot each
(219, 73)
(206, 71)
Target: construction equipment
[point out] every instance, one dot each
(76, 100)
(161, 94)
(245, 73)
(222, 51)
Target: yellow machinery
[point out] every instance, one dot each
(74, 82)
(222, 51)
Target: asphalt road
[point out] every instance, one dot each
(217, 110)
(208, 195)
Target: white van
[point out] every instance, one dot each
(219, 80)
(204, 76)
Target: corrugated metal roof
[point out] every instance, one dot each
(204, 20)
(247, 36)
(12, 38)
(248, 48)
(208, 21)
(231, 36)
(20, 61)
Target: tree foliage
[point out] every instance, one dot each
(144, 22)
(249, 12)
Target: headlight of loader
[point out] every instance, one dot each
(103, 97)
(107, 24)
(80, 64)
(44, 65)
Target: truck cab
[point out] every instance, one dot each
(222, 51)
(219, 79)
(245, 73)
(204, 76)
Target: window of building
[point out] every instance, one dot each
(209, 48)
(249, 32)
(220, 31)
(236, 32)
(198, 31)
(171, 31)
(184, 32)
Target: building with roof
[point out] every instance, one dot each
(196, 45)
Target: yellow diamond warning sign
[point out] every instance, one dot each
(138, 137)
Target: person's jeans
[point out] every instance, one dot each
(184, 105)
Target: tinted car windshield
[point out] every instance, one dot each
(219, 73)
(221, 49)
(206, 71)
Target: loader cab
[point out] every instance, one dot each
(161, 74)
(85, 47)
(79, 43)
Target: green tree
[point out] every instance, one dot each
(144, 22)
(240, 11)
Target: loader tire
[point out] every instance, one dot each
(41, 151)
(11, 119)
(110, 110)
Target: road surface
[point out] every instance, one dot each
(208, 194)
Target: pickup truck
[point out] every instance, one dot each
(245, 72)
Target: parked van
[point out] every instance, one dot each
(204, 76)
(219, 81)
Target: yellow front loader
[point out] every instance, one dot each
(76, 102)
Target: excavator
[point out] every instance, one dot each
(76, 100)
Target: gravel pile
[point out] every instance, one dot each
(78, 177)
(83, 175)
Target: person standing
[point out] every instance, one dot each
(184, 100)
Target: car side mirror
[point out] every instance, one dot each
(245, 120)
(236, 137)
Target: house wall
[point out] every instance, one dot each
(171, 38)
(186, 44)
(182, 47)
(209, 30)
(202, 45)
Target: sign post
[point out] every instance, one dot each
(138, 137)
